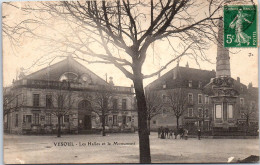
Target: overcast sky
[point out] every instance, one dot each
(242, 65)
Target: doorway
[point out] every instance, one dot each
(87, 122)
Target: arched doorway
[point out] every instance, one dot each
(84, 115)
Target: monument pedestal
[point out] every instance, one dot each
(224, 99)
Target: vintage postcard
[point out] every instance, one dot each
(140, 81)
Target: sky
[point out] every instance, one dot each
(242, 65)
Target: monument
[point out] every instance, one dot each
(222, 92)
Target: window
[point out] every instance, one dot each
(110, 119)
(48, 118)
(200, 112)
(206, 99)
(66, 118)
(114, 119)
(16, 120)
(27, 118)
(200, 98)
(174, 75)
(190, 98)
(164, 113)
(164, 98)
(154, 121)
(48, 101)
(241, 101)
(200, 84)
(164, 86)
(36, 100)
(253, 105)
(206, 113)
(218, 111)
(128, 118)
(60, 101)
(106, 119)
(190, 83)
(190, 112)
(17, 101)
(115, 104)
(124, 119)
(123, 103)
(35, 118)
(230, 111)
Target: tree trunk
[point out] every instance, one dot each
(144, 143)
(103, 124)
(177, 119)
(59, 127)
(149, 126)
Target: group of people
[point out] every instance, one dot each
(164, 133)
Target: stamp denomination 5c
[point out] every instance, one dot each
(240, 26)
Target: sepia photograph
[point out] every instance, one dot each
(140, 81)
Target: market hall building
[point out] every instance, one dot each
(72, 91)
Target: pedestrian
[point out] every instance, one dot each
(163, 134)
(171, 131)
(175, 133)
(166, 132)
(186, 134)
(181, 132)
(199, 134)
(159, 132)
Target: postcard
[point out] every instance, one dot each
(119, 81)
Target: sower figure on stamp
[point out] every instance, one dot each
(241, 37)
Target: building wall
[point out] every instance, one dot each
(206, 121)
(27, 109)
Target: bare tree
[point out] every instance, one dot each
(120, 33)
(62, 106)
(248, 111)
(12, 101)
(202, 115)
(154, 105)
(100, 101)
(177, 101)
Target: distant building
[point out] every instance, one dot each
(199, 106)
(39, 94)
(215, 101)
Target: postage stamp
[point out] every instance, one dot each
(240, 26)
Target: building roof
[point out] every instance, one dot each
(68, 65)
(180, 76)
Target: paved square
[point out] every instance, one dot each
(42, 149)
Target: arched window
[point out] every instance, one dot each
(84, 105)
(68, 76)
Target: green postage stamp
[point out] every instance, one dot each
(240, 26)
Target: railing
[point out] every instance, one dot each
(72, 85)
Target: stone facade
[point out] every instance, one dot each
(80, 90)
(200, 112)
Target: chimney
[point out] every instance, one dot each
(111, 81)
(250, 85)
(187, 65)
(238, 79)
